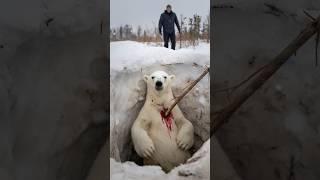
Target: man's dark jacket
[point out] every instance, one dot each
(167, 21)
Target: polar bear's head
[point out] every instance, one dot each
(158, 81)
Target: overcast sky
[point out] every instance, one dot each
(147, 12)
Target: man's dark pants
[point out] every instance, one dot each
(172, 37)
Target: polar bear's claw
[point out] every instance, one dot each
(183, 143)
(149, 151)
(185, 146)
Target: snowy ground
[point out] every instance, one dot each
(134, 55)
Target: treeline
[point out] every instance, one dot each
(193, 30)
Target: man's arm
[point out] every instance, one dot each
(160, 23)
(177, 22)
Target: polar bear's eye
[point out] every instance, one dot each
(165, 77)
(152, 77)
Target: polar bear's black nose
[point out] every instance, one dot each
(158, 83)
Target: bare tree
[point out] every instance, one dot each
(121, 33)
(144, 35)
(181, 27)
(139, 31)
(191, 31)
(197, 24)
(208, 25)
(128, 31)
(206, 29)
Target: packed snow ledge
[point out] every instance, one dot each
(135, 55)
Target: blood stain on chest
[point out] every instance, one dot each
(167, 120)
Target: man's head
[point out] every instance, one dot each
(168, 9)
(159, 80)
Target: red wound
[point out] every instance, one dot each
(167, 119)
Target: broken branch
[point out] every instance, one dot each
(235, 87)
(178, 99)
(309, 16)
(272, 67)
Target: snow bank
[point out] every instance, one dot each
(135, 55)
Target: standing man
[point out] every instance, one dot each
(167, 21)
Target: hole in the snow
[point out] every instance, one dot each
(195, 107)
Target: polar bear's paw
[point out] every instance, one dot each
(145, 150)
(184, 142)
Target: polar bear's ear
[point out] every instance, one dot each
(145, 78)
(172, 77)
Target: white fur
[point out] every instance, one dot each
(150, 135)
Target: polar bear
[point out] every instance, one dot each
(161, 140)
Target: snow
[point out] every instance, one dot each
(196, 168)
(135, 55)
(131, 171)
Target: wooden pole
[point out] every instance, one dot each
(222, 116)
(176, 101)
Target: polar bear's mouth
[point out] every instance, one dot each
(158, 88)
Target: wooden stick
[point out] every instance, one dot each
(233, 88)
(222, 116)
(309, 16)
(176, 101)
